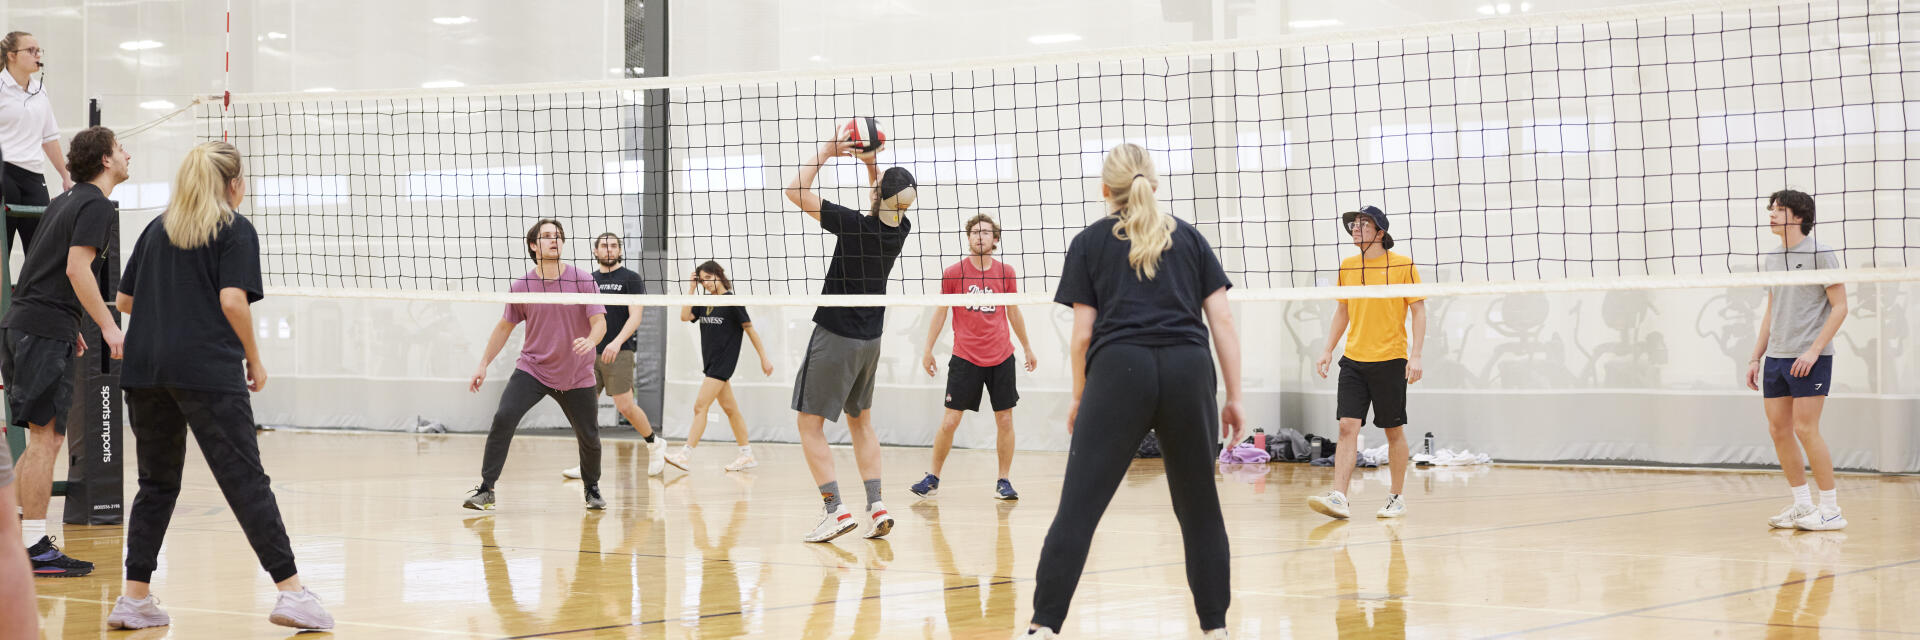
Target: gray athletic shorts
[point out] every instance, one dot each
(6, 463)
(837, 374)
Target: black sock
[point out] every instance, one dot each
(649, 438)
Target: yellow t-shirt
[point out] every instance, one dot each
(1377, 327)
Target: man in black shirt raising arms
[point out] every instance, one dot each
(844, 352)
(42, 329)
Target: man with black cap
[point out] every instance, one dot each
(1379, 362)
(844, 352)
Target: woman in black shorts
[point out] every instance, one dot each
(720, 331)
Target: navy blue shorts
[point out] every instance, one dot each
(1777, 381)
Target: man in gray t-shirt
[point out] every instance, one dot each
(1792, 362)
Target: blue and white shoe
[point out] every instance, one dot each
(1004, 490)
(1824, 518)
(927, 487)
(1332, 504)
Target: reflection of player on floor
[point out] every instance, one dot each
(982, 353)
(1138, 281)
(721, 328)
(556, 361)
(42, 328)
(843, 354)
(1379, 363)
(191, 359)
(613, 369)
(1792, 362)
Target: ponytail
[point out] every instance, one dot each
(1130, 179)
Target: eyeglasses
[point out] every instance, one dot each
(1357, 224)
(33, 50)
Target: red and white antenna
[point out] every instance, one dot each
(226, 94)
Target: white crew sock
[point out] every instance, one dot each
(31, 531)
(1802, 496)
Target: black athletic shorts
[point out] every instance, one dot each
(39, 375)
(965, 381)
(1380, 384)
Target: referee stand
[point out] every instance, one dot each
(95, 423)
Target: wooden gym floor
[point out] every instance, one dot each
(1503, 551)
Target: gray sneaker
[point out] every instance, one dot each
(137, 614)
(481, 500)
(594, 501)
(300, 610)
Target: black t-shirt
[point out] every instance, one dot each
(177, 336)
(621, 280)
(862, 259)
(720, 332)
(44, 303)
(1166, 310)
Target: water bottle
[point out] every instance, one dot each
(1260, 439)
(1429, 444)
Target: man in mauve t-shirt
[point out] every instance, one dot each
(982, 353)
(555, 362)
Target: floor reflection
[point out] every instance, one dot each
(1807, 591)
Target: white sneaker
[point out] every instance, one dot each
(1396, 507)
(1330, 504)
(656, 456)
(1041, 633)
(832, 525)
(1787, 516)
(572, 473)
(679, 457)
(1824, 518)
(742, 463)
(881, 523)
(137, 614)
(1216, 634)
(300, 610)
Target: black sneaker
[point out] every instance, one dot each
(594, 501)
(481, 500)
(49, 562)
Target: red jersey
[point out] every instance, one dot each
(980, 334)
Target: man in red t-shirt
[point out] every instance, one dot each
(982, 354)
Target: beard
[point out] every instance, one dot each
(607, 263)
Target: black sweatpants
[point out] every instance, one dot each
(223, 425)
(22, 186)
(1129, 390)
(524, 391)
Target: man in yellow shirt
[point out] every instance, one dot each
(1378, 364)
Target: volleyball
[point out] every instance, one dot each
(865, 131)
